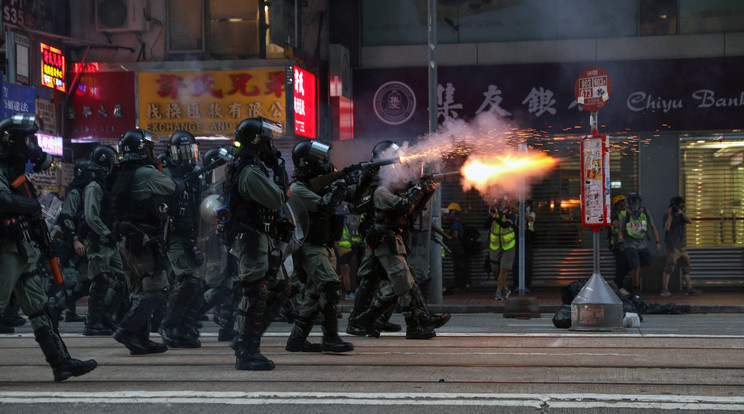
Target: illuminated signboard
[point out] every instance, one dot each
(52, 67)
(50, 144)
(304, 103)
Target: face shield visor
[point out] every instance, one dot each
(184, 154)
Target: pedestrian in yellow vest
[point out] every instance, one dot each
(501, 222)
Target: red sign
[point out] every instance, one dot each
(52, 67)
(304, 102)
(102, 106)
(592, 89)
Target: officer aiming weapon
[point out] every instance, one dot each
(38, 230)
(438, 177)
(320, 182)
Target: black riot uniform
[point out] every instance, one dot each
(141, 216)
(249, 220)
(187, 296)
(20, 225)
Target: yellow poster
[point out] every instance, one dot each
(208, 102)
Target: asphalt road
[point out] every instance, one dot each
(477, 363)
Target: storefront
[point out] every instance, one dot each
(652, 116)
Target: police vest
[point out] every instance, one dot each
(637, 227)
(245, 211)
(501, 237)
(184, 207)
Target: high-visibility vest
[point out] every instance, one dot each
(345, 238)
(637, 227)
(614, 231)
(501, 237)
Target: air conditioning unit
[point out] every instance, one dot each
(120, 15)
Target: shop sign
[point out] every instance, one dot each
(209, 102)
(52, 67)
(102, 106)
(647, 95)
(48, 113)
(50, 144)
(304, 103)
(17, 99)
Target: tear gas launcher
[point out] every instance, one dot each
(320, 182)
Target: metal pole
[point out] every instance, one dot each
(521, 222)
(435, 250)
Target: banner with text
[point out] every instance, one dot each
(102, 106)
(209, 103)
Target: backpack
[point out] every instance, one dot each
(472, 240)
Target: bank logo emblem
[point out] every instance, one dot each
(394, 103)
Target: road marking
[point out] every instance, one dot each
(543, 401)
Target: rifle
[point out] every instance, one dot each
(318, 183)
(196, 173)
(440, 176)
(38, 230)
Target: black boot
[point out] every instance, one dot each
(72, 316)
(383, 325)
(297, 341)
(248, 352)
(190, 324)
(414, 330)
(11, 315)
(179, 301)
(434, 321)
(56, 355)
(331, 341)
(96, 298)
(275, 301)
(131, 332)
(366, 320)
(151, 347)
(116, 297)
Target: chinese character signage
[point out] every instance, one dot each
(17, 99)
(304, 103)
(102, 106)
(647, 95)
(210, 102)
(595, 180)
(52, 67)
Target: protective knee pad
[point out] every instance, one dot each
(332, 292)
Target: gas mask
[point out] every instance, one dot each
(36, 155)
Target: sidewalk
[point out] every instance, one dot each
(729, 300)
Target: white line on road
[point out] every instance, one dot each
(545, 401)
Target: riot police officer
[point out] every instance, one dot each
(21, 221)
(395, 209)
(137, 194)
(104, 261)
(187, 296)
(315, 260)
(70, 248)
(253, 201)
(217, 274)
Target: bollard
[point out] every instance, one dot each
(597, 308)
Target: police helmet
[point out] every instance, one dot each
(385, 149)
(17, 139)
(137, 144)
(211, 156)
(310, 158)
(79, 169)
(103, 158)
(253, 136)
(183, 149)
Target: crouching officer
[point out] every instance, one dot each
(20, 222)
(104, 261)
(315, 261)
(137, 192)
(253, 201)
(186, 299)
